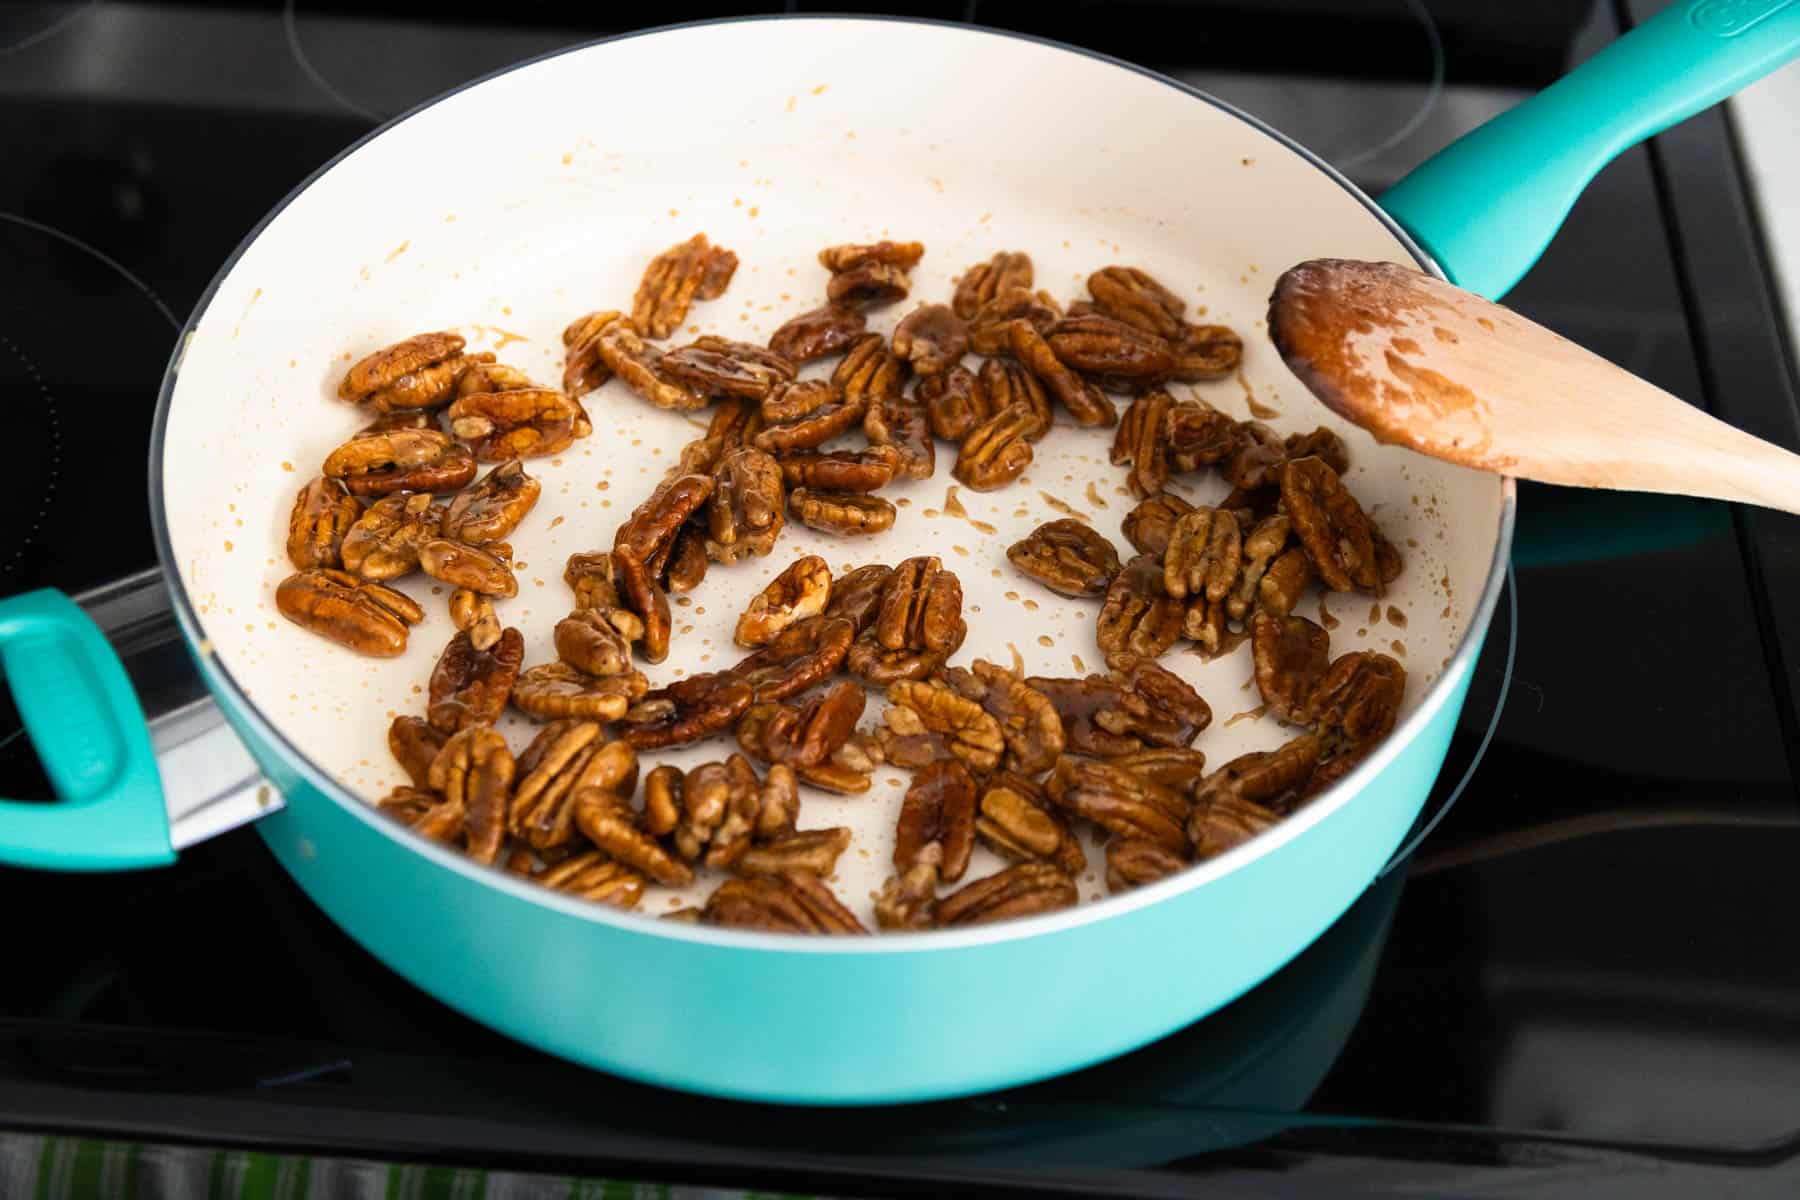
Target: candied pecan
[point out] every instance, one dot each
(687, 710)
(493, 508)
(716, 366)
(424, 811)
(662, 800)
(874, 663)
(932, 338)
(470, 686)
(1204, 556)
(478, 568)
(1014, 823)
(1067, 557)
(998, 450)
(955, 402)
(847, 514)
(981, 283)
(685, 272)
(1141, 441)
(905, 742)
(366, 617)
(383, 543)
(1138, 614)
(1028, 721)
(583, 368)
(1133, 862)
(1006, 383)
(870, 275)
(641, 597)
(1125, 803)
(565, 757)
(1175, 767)
(909, 900)
(1358, 696)
(556, 689)
(900, 423)
(1291, 655)
(1261, 546)
(416, 373)
(1205, 352)
(404, 460)
(821, 333)
(1148, 526)
(870, 372)
(593, 645)
(794, 402)
(1283, 582)
(323, 513)
(971, 732)
(857, 596)
(841, 470)
(1133, 297)
(1083, 400)
(801, 590)
(653, 524)
(1331, 525)
(823, 413)
(1101, 346)
(1167, 711)
(608, 823)
(718, 803)
(921, 607)
(474, 771)
(1196, 434)
(805, 653)
(1268, 780)
(805, 737)
(1258, 456)
(734, 423)
(590, 577)
(1019, 891)
(988, 333)
(501, 422)
(937, 818)
(595, 876)
(685, 565)
(414, 743)
(639, 364)
(1322, 444)
(813, 851)
(794, 903)
(744, 516)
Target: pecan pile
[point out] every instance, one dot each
(846, 671)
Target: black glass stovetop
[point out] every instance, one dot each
(1586, 981)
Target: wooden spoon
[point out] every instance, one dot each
(1422, 363)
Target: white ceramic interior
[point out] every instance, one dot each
(507, 209)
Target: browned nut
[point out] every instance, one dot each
(405, 460)
(1175, 767)
(842, 470)
(1265, 785)
(662, 800)
(874, 663)
(652, 525)
(366, 617)
(800, 591)
(932, 338)
(551, 690)
(606, 821)
(873, 379)
(821, 333)
(909, 900)
(806, 653)
(744, 516)
(640, 596)
(797, 903)
(733, 424)
(1285, 580)
(1291, 656)
(1099, 345)
(1133, 862)
(478, 568)
(1007, 383)
(1138, 615)
(1321, 444)
(956, 401)
(493, 508)
(998, 450)
(686, 564)
(1331, 525)
(1262, 545)
(590, 577)
(971, 733)
(1148, 526)
(981, 283)
(687, 710)
(639, 364)
(847, 514)
(921, 607)
(1205, 352)
(822, 413)
(870, 275)
(470, 686)
(1014, 823)
(806, 737)
(383, 543)
(418, 373)
(988, 332)
(1118, 800)
(1196, 435)
(1205, 555)
(502, 415)
(323, 513)
(794, 402)
(1168, 712)
(1084, 401)
(1142, 442)
(719, 803)
(474, 771)
(592, 644)
(414, 743)
(1067, 557)
(1257, 456)
(594, 876)
(1359, 697)
(565, 757)
(857, 596)
(583, 368)
(424, 811)
(937, 820)
(691, 270)
(1027, 720)
(813, 851)
(716, 366)
(1020, 891)
(1133, 296)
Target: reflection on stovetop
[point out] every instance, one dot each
(1597, 943)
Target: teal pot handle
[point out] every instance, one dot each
(83, 717)
(1488, 204)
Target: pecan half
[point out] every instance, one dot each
(1167, 712)
(796, 903)
(811, 851)
(1138, 614)
(857, 596)
(718, 803)
(640, 596)
(1176, 768)
(366, 617)
(847, 514)
(1331, 525)
(474, 771)
(685, 566)
(1142, 442)
(909, 900)
(639, 364)
(404, 460)
(1359, 697)
(595, 876)
(652, 525)
(1205, 554)
(414, 743)
(1282, 584)
(583, 368)
(956, 401)
(744, 516)
(895, 420)
(801, 590)
(1028, 721)
(1133, 862)
(787, 404)
(821, 333)
(870, 275)
(1257, 456)
(1120, 801)
(1134, 297)
(1262, 545)
(1148, 526)
(424, 811)
(419, 372)
(937, 820)
(551, 690)
(484, 569)
(1083, 400)
(1013, 822)
(1007, 383)
(1291, 656)
(323, 513)
(1099, 345)
(807, 652)
(1205, 352)
(565, 757)
(501, 422)
(805, 737)
(493, 508)
(981, 283)
(932, 338)
(1268, 780)
(608, 823)
(592, 644)
(716, 366)
(1196, 434)
(1067, 557)
(841, 470)
(687, 710)
(1019, 891)
(921, 607)
(470, 686)
(383, 543)
(988, 332)
(688, 271)
(998, 450)
(820, 412)
(1321, 444)
(970, 731)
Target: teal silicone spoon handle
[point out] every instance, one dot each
(1488, 204)
(83, 717)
